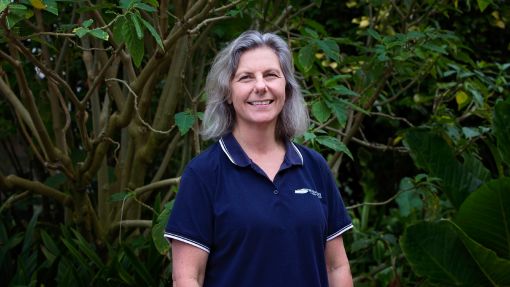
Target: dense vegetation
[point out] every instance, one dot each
(100, 110)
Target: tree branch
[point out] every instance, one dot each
(71, 95)
(376, 203)
(376, 146)
(13, 198)
(13, 181)
(158, 184)
(23, 113)
(207, 21)
(133, 223)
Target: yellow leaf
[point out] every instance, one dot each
(364, 22)
(351, 4)
(333, 65)
(462, 99)
(319, 55)
(397, 140)
(38, 4)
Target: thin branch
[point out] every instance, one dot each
(25, 133)
(158, 184)
(207, 21)
(13, 181)
(48, 72)
(163, 17)
(13, 199)
(144, 205)
(198, 5)
(147, 125)
(399, 12)
(166, 158)
(88, 49)
(100, 75)
(23, 114)
(302, 10)
(376, 203)
(284, 15)
(365, 143)
(133, 223)
(225, 7)
(393, 118)
(57, 34)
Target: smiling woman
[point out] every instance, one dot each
(219, 116)
(258, 90)
(256, 209)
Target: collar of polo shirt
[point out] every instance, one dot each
(237, 156)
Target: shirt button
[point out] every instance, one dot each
(276, 191)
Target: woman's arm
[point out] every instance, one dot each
(188, 265)
(337, 264)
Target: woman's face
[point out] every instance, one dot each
(258, 89)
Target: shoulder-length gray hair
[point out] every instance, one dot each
(219, 115)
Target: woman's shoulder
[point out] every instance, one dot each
(207, 160)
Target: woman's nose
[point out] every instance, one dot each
(260, 85)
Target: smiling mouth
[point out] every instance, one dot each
(260, 103)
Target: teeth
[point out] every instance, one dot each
(261, 102)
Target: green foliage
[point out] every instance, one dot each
(434, 155)
(185, 121)
(484, 216)
(158, 229)
(474, 250)
(447, 256)
(415, 93)
(476, 243)
(502, 129)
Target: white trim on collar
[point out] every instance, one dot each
(298, 152)
(225, 150)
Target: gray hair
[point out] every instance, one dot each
(219, 115)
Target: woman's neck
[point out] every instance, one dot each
(257, 140)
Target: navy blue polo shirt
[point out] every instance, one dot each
(259, 232)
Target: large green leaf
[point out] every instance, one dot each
(321, 111)
(485, 216)
(133, 43)
(334, 144)
(436, 252)
(306, 57)
(502, 129)
(17, 13)
(153, 32)
(158, 229)
(184, 121)
(482, 4)
(330, 48)
(433, 154)
(339, 110)
(496, 269)
(3, 4)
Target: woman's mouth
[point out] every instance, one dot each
(260, 103)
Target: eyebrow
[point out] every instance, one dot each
(278, 71)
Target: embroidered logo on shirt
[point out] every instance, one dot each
(307, 190)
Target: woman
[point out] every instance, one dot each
(256, 209)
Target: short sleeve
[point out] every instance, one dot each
(339, 220)
(191, 220)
